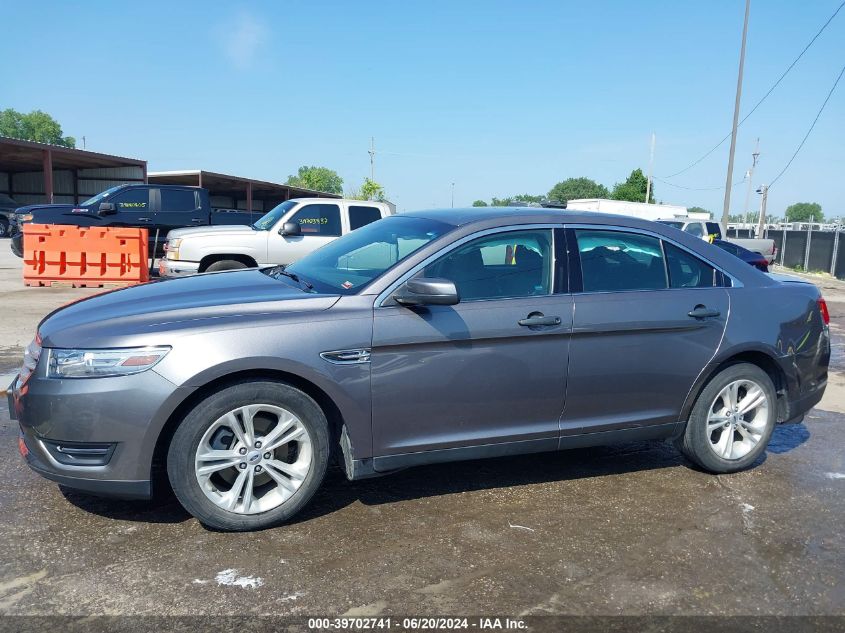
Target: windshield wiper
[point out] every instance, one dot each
(280, 270)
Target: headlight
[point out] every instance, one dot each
(99, 363)
(172, 248)
(25, 217)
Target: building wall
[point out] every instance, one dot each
(28, 187)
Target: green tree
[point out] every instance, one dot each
(318, 179)
(697, 210)
(34, 126)
(633, 189)
(479, 203)
(576, 189)
(522, 198)
(803, 211)
(369, 190)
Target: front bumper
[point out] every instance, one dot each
(122, 413)
(176, 268)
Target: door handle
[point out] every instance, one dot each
(197, 221)
(145, 219)
(703, 312)
(537, 319)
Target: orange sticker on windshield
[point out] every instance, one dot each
(347, 284)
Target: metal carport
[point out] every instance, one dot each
(235, 192)
(34, 173)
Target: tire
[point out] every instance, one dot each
(4, 227)
(225, 264)
(720, 443)
(220, 499)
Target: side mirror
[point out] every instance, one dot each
(291, 229)
(107, 208)
(422, 292)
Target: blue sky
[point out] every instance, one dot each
(499, 97)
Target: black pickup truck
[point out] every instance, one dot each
(158, 208)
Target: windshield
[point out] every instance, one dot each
(269, 219)
(348, 263)
(90, 202)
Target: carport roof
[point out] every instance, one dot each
(19, 156)
(225, 183)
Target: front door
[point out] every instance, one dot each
(649, 317)
(319, 224)
(489, 370)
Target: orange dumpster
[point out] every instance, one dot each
(84, 256)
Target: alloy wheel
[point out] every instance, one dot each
(253, 458)
(737, 419)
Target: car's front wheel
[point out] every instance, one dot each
(732, 421)
(250, 456)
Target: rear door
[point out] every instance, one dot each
(649, 315)
(362, 215)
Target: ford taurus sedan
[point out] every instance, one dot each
(425, 337)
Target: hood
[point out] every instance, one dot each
(139, 315)
(37, 207)
(201, 231)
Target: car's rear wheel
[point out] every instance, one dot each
(225, 264)
(732, 421)
(250, 456)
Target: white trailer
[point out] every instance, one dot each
(634, 209)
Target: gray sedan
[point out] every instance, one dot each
(425, 337)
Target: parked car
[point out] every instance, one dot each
(7, 214)
(158, 208)
(710, 231)
(286, 233)
(424, 337)
(755, 259)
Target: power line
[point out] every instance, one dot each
(720, 187)
(765, 96)
(804, 140)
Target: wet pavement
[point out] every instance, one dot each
(629, 529)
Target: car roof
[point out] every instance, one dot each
(526, 215)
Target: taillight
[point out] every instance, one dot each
(823, 310)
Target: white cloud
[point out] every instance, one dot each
(244, 40)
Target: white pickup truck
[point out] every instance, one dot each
(288, 232)
(708, 230)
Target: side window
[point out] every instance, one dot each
(511, 264)
(694, 229)
(132, 200)
(178, 200)
(686, 270)
(617, 261)
(319, 219)
(362, 216)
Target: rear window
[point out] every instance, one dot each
(178, 200)
(362, 216)
(618, 261)
(714, 228)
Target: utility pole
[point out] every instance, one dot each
(764, 191)
(750, 176)
(453, 195)
(650, 169)
(726, 209)
(83, 141)
(372, 153)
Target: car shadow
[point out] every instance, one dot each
(164, 508)
(445, 479)
(487, 474)
(787, 437)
